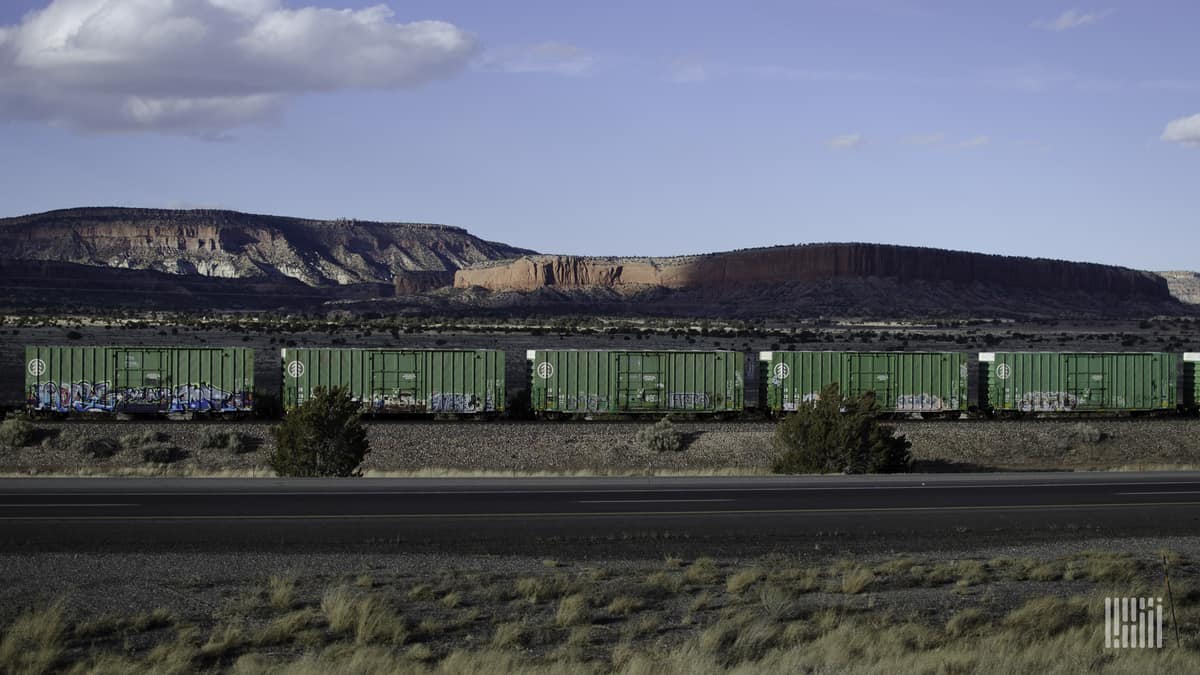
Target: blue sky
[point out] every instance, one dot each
(653, 128)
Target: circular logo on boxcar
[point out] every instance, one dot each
(782, 371)
(1003, 371)
(295, 369)
(37, 367)
(545, 370)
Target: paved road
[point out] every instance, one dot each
(498, 515)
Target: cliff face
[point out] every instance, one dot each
(1185, 286)
(228, 244)
(811, 263)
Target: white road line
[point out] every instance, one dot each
(1163, 492)
(643, 501)
(586, 490)
(34, 506)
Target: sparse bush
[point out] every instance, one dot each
(572, 611)
(16, 432)
(322, 437)
(142, 439)
(857, 580)
(837, 434)
(662, 436)
(736, 583)
(97, 448)
(281, 590)
(161, 453)
(230, 441)
(1082, 433)
(702, 572)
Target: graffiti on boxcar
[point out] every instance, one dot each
(588, 402)
(101, 396)
(923, 402)
(1047, 401)
(688, 400)
(461, 403)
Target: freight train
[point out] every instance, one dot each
(566, 383)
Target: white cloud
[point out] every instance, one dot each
(976, 142)
(205, 66)
(845, 141)
(1072, 18)
(548, 57)
(1185, 130)
(926, 139)
(807, 74)
(687, 69)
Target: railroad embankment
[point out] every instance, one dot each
(596, 448)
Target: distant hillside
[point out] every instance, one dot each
(228, 244)
(145, 259)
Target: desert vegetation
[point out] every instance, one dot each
(322, 437)
(839, 434)
(898, 614)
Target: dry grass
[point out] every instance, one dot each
(857, 579)
(33, 643)
(759, 619)
(339, 605)
(702, 572)
(289, 627)
(281, 591)
(662, 584)
(624, 605)
(572, 611)
(739, 582)
(971, 573)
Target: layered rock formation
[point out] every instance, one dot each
(1185, 286)
(228, 244)
(810, 263)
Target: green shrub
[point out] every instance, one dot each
(230, 441)
(16, 432)
(142, 439)
(97, 448)
(161, 453)
(839, 434)
(322, 437)
(662, 436)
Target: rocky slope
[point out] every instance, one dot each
(1185, 286)
(232, 245)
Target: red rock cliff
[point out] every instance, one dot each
(813, 262)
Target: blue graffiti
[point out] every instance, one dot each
(103, 397)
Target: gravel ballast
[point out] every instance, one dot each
(609, 448)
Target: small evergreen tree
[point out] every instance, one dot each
(322, 437)
(837, 434)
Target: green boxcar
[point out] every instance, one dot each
(571, 381)
(1077, 381)
(392, 381)
(910, 382)
(139, 379)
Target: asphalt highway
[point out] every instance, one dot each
(496, 515)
